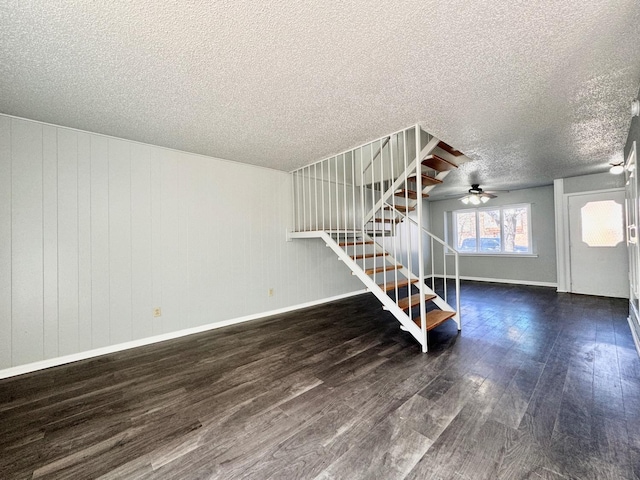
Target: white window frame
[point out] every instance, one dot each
(527, 206)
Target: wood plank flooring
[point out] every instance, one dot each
(539, 385)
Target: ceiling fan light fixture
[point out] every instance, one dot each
(474, 199)
(476, 196)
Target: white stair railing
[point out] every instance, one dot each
(352, 201)
(442, 301)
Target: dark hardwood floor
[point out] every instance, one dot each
(539, 385)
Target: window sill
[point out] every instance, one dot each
(509, 255)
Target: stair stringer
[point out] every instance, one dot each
(429, 147)
(388, 303)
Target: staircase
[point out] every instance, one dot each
(365, 204)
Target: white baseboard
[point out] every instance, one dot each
(531, 283)
(634, 334)
(634, 325)
(54, 362)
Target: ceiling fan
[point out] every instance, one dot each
(477, 196)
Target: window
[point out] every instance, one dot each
(602, 224)
(496, 230)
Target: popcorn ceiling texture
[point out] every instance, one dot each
(530, 91)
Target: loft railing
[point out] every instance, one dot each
(336, 194)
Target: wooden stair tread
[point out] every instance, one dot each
(379, 233)
(449, 149)
(387, 220)
(426, 180)
(435, 318)
(387, 268)
(400, 208)
(438, 163)
(352, 244)
(400, 284)
(412, 194)
(369, 255)
(408, 302)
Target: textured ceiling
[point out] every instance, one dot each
(530, 91)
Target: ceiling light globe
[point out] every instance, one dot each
(616, 169)
(465, 200)
(484, 199)
(475, 200)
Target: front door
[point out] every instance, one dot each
(598, 251)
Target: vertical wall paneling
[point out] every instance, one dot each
(120, 239)
(283, 198)
(251, 227)
(226, 270)
(68, 284)
(192, 204)
(100, 281)
(141, 248)
(199, 253)
(211, 255)
(26, 242)
(156, 240)
(278, 242)
(260, 272)
(182, 279)
(269, 248)
(169, 241)
(5, 242)
(284, 215)
(50, 239)
(95, 232)
(242, 239)
(84, 242)
(274, 243)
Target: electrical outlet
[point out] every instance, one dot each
(270, 292)
(157, 312)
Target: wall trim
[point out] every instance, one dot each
(57, 361)
(561, 242)
(531, 283)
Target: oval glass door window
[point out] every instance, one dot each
(602, 224)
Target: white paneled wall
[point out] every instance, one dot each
(95, 232)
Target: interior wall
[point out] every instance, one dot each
(97, 231)
(539, 269)
(591, 183)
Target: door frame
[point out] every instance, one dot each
(564, 251)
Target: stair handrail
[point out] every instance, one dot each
(447, 249)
